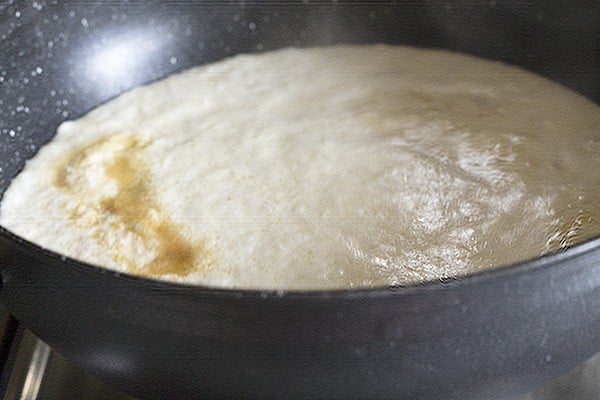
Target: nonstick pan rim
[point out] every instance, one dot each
(550, 260)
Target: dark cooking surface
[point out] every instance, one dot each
(59, 379)
(506, 331)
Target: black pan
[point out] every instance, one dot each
(489, 335)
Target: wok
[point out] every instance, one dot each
(490, 335)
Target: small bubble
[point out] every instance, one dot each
(259, 46)
(71, 13)
(252, 26)
(84, 22)
(548, 358)
(39, 70)
(65, 114)
(18, 14)
(12, 133)
(236, 18)
(53, 93)
(173, 60)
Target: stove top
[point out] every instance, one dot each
(31, 370)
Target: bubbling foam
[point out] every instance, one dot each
(335, 167)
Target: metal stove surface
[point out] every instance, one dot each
(31, 370)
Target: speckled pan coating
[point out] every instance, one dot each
(490, 335)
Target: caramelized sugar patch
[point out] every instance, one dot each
(111, 191)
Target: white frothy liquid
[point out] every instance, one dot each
(318, 168)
